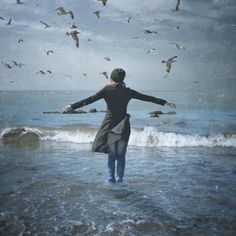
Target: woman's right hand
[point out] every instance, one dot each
(67, 108)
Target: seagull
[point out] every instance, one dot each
(50, 51)
(103, 1)
(49, 71)
(19, 2)
(41, 72)
(177, 6)
(62, 11)
(178, 46)
(45, 24)
(1, 18)
(18, 64)
(151, 50)
(21, 64)
(74, 26)
(69, 76)
(105, 74)
(84, 74)
(15, 63)
(20, 41)
(71, 14)
(74, 34)
(168, 63)
(9, 22)
(8, 66)
(128, 19)
(97, 13)
(150, 32)
(107, 59)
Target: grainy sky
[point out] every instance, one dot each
(205, 28)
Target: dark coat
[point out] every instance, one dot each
(116, 120)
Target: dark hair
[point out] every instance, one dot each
(118, 75)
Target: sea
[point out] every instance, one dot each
(180, 175)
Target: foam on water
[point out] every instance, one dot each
(147, 137)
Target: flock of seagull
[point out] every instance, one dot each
(61, 11)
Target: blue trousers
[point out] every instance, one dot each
(116, 152)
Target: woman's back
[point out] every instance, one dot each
(117, 98)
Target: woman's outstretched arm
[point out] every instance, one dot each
(148, 98)
(84, 102)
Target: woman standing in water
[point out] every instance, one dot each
(113, 135)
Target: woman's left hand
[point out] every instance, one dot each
(172, 105)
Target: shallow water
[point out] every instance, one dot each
(62, 190)
(179, 178)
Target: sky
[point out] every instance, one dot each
(204, 29)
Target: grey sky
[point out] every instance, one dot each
(206, 28)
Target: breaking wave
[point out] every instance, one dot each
(147, 137)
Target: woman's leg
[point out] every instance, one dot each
(111, 162)
(120, 156)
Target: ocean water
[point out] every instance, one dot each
(180, 172)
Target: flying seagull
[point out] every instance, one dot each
(97, 13)
(50, 51)
(150, 32)
(168, 63)
(1, 18)
(18, 64)
(8, 66)
(45, 24)
(84, 74)
(105, 74)
(177, 6)
(61, 11)
(74, 34)
(41, 72)
(151, 50)
(69, 76)
(128, 19)
(19, 2)
(9, 22)
(107, 59)
(103, 2)
(15, 63)
(20, 41)
(178, 46)
(73, 26)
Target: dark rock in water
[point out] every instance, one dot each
(20, 137)
(156, 113)
(51, 112)
(171, 113)
(93, 110)
(80, 111)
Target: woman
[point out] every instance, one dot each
(113, 135)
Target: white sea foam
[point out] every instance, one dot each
(151, 137)
(147, 137)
